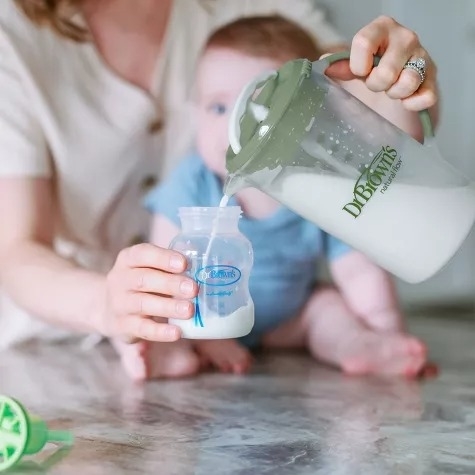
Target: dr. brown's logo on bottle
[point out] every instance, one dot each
(218, 276)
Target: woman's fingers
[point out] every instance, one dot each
(407, 84)
(427, 94)
(158, 282)
(365, 45)
(389, 69)
(146, 284)
(149, 305)
(396, 45)
(149, 269)
(140, 328)
(148, 255)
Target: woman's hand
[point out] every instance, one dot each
(145, 284)
(396, 45)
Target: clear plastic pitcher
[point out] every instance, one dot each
(302, 139)
(220, 259)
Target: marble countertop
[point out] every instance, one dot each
(290, 416)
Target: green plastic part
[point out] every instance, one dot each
(22, 433)
(292, 107)
(292, 99)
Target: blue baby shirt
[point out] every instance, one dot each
(286, 246)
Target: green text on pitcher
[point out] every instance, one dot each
(379, 174)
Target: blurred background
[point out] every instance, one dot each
(447, 30)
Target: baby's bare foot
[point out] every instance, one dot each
(148, 360)
(384, 354)
(227, 356)
(337, 336)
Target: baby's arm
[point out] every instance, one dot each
(162, 231)
(368, 290)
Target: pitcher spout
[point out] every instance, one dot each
(233, 184)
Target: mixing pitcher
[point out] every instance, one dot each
(302, 139)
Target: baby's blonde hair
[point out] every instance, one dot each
(266, 37)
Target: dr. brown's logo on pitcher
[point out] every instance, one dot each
(381, 171)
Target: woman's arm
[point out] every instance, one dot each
(61, 293)
(30, 272)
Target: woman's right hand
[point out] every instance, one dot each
(145, 283)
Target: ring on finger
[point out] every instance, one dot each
(419, 66)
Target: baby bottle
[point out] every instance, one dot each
(220, 259)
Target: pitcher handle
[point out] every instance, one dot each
(424, 115)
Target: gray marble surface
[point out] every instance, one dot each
(290, 416)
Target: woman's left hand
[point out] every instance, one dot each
(396, 45)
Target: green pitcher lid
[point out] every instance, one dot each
(254, 119)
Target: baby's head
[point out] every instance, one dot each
(234, 55)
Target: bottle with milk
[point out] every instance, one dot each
(220, 259)
(301, 138)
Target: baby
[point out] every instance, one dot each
(356, 323)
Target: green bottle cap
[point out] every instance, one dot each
(22, 433)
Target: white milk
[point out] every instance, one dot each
(411, 231)
(224, 201)
(222, 204)
(235, 325)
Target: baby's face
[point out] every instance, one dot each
(222, 74)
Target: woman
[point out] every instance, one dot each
(93, 97)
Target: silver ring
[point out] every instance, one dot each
(419, 66)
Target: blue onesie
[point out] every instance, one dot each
(286, 247)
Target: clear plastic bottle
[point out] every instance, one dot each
(220, 259)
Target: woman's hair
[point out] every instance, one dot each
(58, 15)
(269, 36)
(55, 14)
(266, 37)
